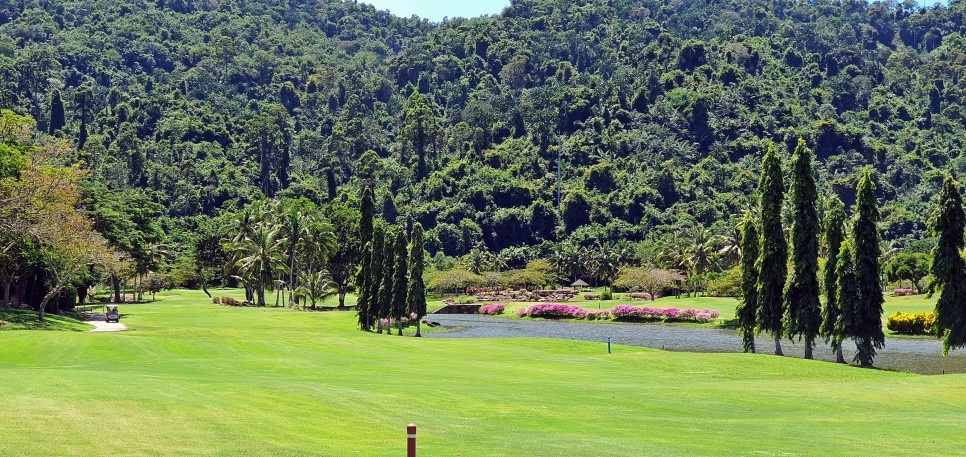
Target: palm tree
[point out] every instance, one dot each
(702, 251)
(294, 226)
(260, 257)
(479, 259)
(316, 287)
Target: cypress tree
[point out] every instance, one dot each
(846, 295)
(365, 220)
(362, 278)
(416, 302)
(748, 305)
(364, 273)
(375, 276)
(57, 116)
(772, 265)
(388, 267)
(865, 325)
(400, 280)
(948, 268)
(834, 236)
(803, 307)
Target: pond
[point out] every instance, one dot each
(901, 354)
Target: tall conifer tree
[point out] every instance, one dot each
(364, 274)
(772, 266)
(416, 302)
(846, 294)
(388, 267)
(834, 236)
(57, 116)
(375, 276)
(948, 268)
(865, 325)
(400, 280)
(748, 305)
(803, 307)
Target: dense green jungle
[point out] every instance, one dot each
(552, 127)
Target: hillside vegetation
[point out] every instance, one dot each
(656, 113)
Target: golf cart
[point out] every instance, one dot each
(112, 314)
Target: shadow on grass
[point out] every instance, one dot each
(15, 319)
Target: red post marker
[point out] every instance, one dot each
(411, 440)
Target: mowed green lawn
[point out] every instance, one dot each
(191, 378)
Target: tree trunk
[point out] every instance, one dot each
(43, 303)
(116, 288)
(291, 276)
(343, 290)
(399, 324)
(6, 293)
(839, 358)
(808, 350)
(378, 326)
(204, 288)
(261, 296)
(778, 344)
(418, 333)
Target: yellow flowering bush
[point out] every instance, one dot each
(912, 323)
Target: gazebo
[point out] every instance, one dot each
(579, 283)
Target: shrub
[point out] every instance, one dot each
(607, 295)
(912, 323)
(903, 292)
(229, 301)
(647, 313)
(551, 311)
(216, 300)
(493, 309)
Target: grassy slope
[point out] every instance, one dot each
(191, 378)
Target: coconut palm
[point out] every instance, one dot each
(261, 257)
(316, 287)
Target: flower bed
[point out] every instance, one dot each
(647, 313)
(493, 309)
(903, 292)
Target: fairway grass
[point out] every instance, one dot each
(196, 379)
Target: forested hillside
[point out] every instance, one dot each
(657, 113)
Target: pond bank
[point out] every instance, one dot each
(902, 354)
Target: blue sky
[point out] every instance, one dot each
(436, 10)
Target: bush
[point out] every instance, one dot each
(912, 323)
(647, 313)
(552, 311)
(493, 309)
(607, 295)
(728, 285)
(903, 292)
(216, 300)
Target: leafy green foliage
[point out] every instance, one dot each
(864, 323)
(772, 265)
(802, 305)
(949, 268)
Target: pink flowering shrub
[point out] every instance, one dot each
(647, 313)
(559, 311)
(493, 309)
(903, 292)
(551, 311)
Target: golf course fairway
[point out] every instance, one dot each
(190, 378)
